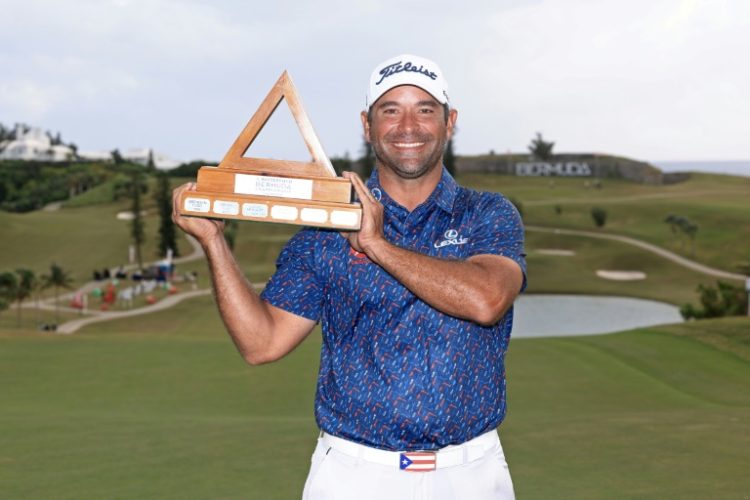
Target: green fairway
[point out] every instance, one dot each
(163, 407)
(168, 412)
(655, 413)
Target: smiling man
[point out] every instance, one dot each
(415, 307)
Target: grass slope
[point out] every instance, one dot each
(78, 239)
(665, 281)
(165, 408)
(719, 204)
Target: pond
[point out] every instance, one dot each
(542, 315)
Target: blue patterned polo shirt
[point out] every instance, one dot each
(396, 373)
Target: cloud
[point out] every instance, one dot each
(638, 77)
(641, 78)
(28, 98)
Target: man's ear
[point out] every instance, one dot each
(451, 125)
(365, 125)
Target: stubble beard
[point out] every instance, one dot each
(409, 168)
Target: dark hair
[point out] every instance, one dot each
(446, 113)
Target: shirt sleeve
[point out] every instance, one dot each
(296, 287)
(498, 230)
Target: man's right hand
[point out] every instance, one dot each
(203, 229)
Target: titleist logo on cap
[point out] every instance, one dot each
(407, 69)
(395, 68)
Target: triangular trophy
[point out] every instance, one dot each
(290, 192)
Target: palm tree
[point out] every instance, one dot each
(57, 278)
(27, 283)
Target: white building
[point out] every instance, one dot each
(141, 156)
(95, 155)
(34, 145)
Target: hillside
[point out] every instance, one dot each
(718, 204)
(85, 234)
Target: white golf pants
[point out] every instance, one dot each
(343, 470)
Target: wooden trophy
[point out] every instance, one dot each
(289, 192)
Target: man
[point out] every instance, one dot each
(415, 310)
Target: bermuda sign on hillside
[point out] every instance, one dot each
(567, 168)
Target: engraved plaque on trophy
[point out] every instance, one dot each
(290, 192)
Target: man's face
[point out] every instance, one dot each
(408, 131)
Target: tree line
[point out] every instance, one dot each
(27, 186)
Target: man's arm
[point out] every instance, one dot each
(261, 332)
(480, 288)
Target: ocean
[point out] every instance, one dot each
(739, 167)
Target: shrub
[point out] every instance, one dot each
(724, 300)
(599, 215)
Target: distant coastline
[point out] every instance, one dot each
(738, 167)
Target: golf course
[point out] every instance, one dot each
(160, 405)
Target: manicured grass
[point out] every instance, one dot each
(170, 411)
(665, 281)
(77, 239)
(99, 195)
(655, 413)
(719, 204)
(163, 407)
(87, 235)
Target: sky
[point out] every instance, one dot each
(653, 80)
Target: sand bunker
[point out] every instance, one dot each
(555, 251)
(621, 275)
(128, 215)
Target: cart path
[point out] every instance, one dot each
(94, 316)
(73, 325)
(170, 300)
(49, 303)
(677, 259)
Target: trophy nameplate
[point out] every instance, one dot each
(259, 189)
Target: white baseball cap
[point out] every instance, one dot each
(407, 69)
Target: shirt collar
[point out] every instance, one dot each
(444, 194)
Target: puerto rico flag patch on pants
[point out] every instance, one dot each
(418, 461)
